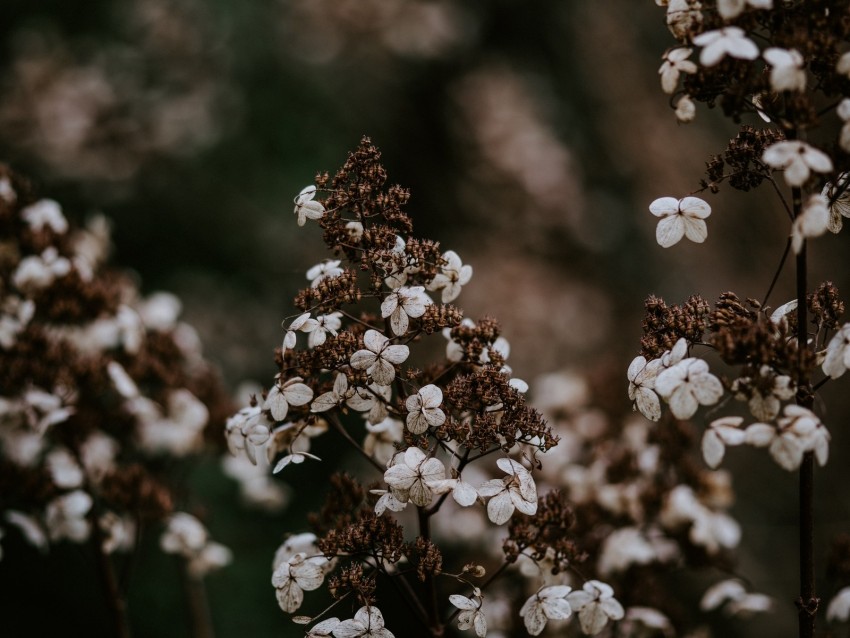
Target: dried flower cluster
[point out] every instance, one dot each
(451, 437)
(787, 64)
(104, 394)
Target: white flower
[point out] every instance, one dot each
(295, 458)
(839, 606)
(798, 159)
(625, 547)
(45, 212)
(471, 615)
(423, 409)
(731, 41)
(839, 200)
(294, 576)
(325, 270)
(7, 191)
(324, 628)
(372, 399)
(680, 218)
(382, 437)
(837, 359)
(379, 357)
(302, 323)
(16, 314)
(306, 208)
(325, 324)
(368, 622)
(646, 621)
(462, 492)
(686, 110)
(813, 221)
(735, 600)
(729, 9)
(641, 375)
(675, 63)
(339, 394)
(720, 433)
(39, 271)
(595, 605)
(29, 528)
(184, 535)
(65, 516)
(549, 603)
(119, 531)
(453, 275)
(404, 303)
(412, 475)
(786, 72)
(516, 491)
(765, 393)
(842, 67)
(64, 469)
(687, 385)
(280, 397)
(682, 16)
(796, 433)
(212, 556)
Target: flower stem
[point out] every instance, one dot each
(196, 597)
(807, 603)
(432, 604)
(115, 600)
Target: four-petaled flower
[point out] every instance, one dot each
(680, 218)
(453, 275)
(307, 208)
(379, 357)
(295, 576)
(412, 475)
(404, 303)
(516, 491)
(423, 409)
(838, 195)
(595, 605)
(731, 41)
(798, 159)
(687, 385)
(368, 622)
(786, 69)
(470, 616)
(549, 603)
(641, 375)
(280, 397)
(720, 433)
(325, 270)
(675, 63)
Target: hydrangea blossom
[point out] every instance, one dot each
(291, 392)
(680, 218)
(471, 616)
(686, 110)
(516, 491)
(325, 270)
(798, 159)
(641, 375)
(412, 475)
(294, 576)
(595, 605)
(786, 69)
(452, 276)
(306, 207)
(837, 359)
(731, 41)
(675, 63)
(729, 9)
(813, 221)
(797, 432)
(402, 304)
(687, 385)
(379, 357)
(368, 622)
(549, 603)
(45, 213)
(839, 198)
(423, 409)
(720, 433)
(734, 599)
(839, 607)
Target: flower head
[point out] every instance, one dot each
(470, 616)
(731, 41)
(680, 218)
(675, 63)
(798, 159)
(786, 69)
(516, 491)
(306, 208)
(549, 603)
(423, 409)
(379, 357)
(687, 385)
(596, 605)
(368, 622)
(453, 274)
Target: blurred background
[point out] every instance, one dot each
(532, 134)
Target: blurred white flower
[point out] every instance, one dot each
(729, 9)
(39, 271)
(786, 69)
(837, 359)
(731, 596)
(382, 437)
(720, 433)
(680, 218)
(839, 606)
(325, 270)
(798, 159)
(731, 41)
(66, 516)
(813, 221)
(686, 110)
(45, 212)
(622, 548)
